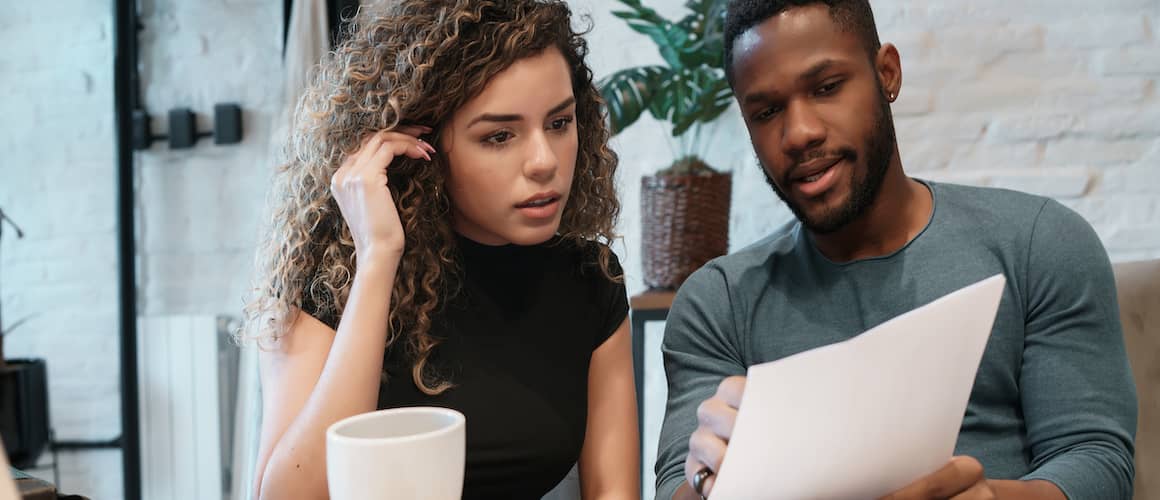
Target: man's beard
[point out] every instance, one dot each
(879, 147)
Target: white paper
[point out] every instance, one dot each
(861, 418)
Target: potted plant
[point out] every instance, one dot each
(23, 396)
(684, 207)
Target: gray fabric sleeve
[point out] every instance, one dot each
(700, 350)
(1079, 400)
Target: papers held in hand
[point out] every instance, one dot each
(865, 417)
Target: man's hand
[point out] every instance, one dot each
(960, 479)
(715, 418)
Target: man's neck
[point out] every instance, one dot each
(899, 212)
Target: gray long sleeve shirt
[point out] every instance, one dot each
(1054, 397)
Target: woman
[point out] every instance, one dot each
(441, 240)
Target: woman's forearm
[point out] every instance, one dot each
(348, 385)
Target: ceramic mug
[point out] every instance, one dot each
(413, 453)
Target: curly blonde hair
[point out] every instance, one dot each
(414, 62)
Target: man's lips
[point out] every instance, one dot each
(813, 167)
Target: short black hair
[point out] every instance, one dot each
(852, 16)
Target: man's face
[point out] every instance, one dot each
(817, 115)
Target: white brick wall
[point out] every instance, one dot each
(199, 208)
(1051, 96)
(56, 180)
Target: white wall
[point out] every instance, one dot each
(1056, 97)
(1052, 97)
(57, 180)
(199, 208)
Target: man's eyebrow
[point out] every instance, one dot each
(810, 74)
(816, 70)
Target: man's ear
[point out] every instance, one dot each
(888, 65)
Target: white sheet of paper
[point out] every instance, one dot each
(861, 418)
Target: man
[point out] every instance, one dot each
(1052, 414)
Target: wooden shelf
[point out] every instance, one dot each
(652, 300)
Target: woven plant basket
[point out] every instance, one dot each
(684, 224)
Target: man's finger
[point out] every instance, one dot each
(957, 476)
(707, 449)
(707, 485)
(717, 416)
(692, 467)
(980, 491)
(731, 390)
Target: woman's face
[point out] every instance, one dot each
(512, 154)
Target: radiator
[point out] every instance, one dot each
(187, 380)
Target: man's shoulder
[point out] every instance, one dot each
(758, 255)
(1004, 203)
(1003, 211)
(1012, 223)
(989, 215)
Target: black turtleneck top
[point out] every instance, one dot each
(516, 342)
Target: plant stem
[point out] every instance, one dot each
(713, 128)
(674, 146)
(697, 146)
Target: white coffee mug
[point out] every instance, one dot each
(412, 453)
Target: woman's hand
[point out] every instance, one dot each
(360, 188)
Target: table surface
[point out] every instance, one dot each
(32, 488)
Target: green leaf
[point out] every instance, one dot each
(661, 105)
(716, 100)
(627, 93)
(668, 37)
(701, 97)
(641, 15)
(692, 88)
(667, 40)
(704, 23)
(642, 12)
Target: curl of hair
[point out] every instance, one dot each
(413, 62)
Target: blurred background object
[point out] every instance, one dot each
(685, 206)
